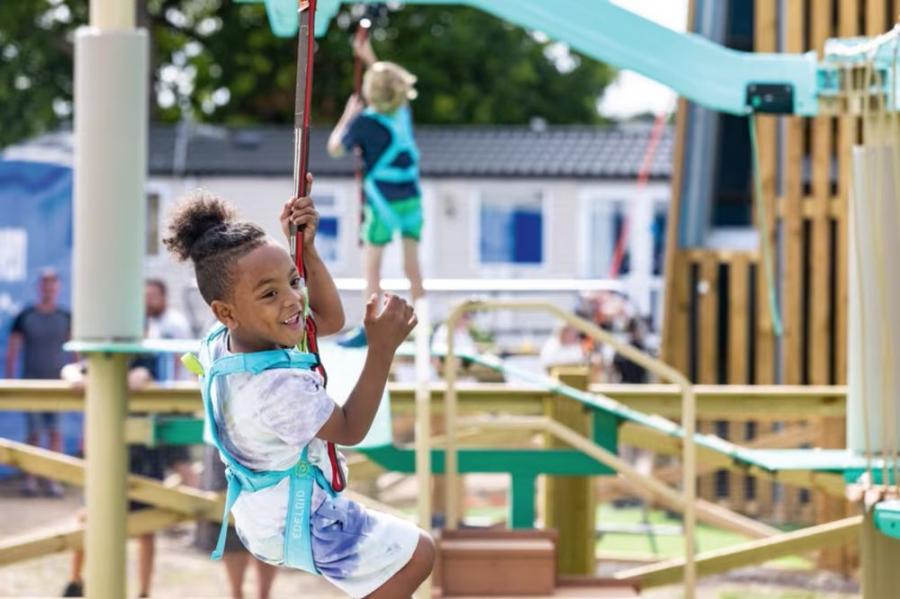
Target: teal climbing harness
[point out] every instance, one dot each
(399, 125)
(297, 535)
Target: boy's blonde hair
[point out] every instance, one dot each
(386, 86)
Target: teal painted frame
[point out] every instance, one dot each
(696, 68)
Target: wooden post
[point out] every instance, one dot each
(676, 333)
(848, 132)
(792, 225)
(832, 430)
(105, 489)
(423, 422)
(709, 319)
(880, 556)
(570, 503)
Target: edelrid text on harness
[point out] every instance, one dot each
(297, 536)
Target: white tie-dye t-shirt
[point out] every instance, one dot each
(264, 421)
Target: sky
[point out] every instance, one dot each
(631, 93)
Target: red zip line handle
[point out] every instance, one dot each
(302, 102)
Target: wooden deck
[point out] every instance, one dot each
(596, 589)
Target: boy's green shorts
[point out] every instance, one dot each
(376, 231)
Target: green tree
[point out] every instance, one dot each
(219, 61)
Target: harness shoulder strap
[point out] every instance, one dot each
(298, 539)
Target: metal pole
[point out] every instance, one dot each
(105, 485)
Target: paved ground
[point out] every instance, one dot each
(183, 572)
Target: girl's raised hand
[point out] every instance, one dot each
(387, 330)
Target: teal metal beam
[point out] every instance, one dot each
(567, 462)
(696, 68)
(561, 462)
(521, 505)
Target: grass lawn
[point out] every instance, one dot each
(708, 538)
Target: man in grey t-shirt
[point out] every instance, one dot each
(39, 332)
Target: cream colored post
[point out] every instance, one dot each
(113, 15)
(423, 423)
(105, 485)
(451, 468)
(111, 63)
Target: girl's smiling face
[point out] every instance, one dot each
(265, 310)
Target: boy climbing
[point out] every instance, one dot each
(383, 133)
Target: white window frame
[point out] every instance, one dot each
(510, 269)
(339, 192)
(162, 188)
(656, 193)
(588, 197)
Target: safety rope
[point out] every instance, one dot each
(302, 102)
(762, 223)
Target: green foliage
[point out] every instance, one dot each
(35, 65)
(219, 61)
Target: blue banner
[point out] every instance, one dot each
(35, 233)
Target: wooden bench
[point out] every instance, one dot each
(490, 562)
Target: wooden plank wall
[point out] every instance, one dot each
(718, 327)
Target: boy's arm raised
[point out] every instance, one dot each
(349, 423)
(336, 139)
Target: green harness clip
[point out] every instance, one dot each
(191, 362)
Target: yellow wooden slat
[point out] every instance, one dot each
(713, 401)
(819, 341)
(67, 469)
(738, 315)
(848, 128)
(766, 29)
(876, 17)
(754, 552)
(570, 501)
(29, 546)
(708, 290)
(736, 497)
(705, 482)
(675, 341)
(792, 312)
(765, 489)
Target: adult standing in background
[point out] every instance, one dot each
(38, 334)
(166, 323)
